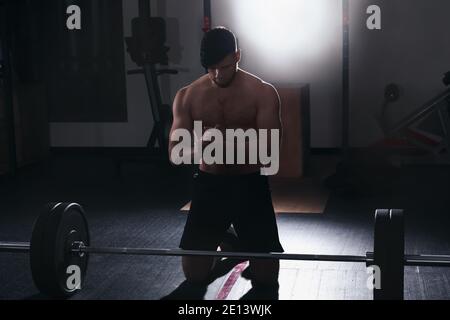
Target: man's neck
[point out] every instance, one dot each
(230, 83)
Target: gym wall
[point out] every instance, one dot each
(412, 50)
(184, 36)
(131, 133)
(319, 65)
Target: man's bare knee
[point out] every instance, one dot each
(265, 271)
(197, 269)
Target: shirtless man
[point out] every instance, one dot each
(228, 97)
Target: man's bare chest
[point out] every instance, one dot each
(236, 110)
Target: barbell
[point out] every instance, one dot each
(60, 245)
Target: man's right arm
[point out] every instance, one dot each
(181, 118)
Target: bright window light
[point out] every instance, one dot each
(282, 26)
(282, 33)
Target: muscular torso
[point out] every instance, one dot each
(230, 108)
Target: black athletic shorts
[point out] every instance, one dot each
(221, 200)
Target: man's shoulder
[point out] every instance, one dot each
(255, 82)
(194, 87)
(264, 92)
(250, 78)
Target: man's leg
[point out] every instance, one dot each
(264, 277)
(264, 271)
(230, 241)
(256, 227)
(197, 269)
(206, 224)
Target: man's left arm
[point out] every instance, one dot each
(269, 113)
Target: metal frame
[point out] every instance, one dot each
(345, 76)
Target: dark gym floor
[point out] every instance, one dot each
(142, 209)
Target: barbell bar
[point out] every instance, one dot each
(80, 248)
(421, 260)
(60, 239)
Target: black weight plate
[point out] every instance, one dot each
(381, 252)
(396, 254)
(50, 256)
